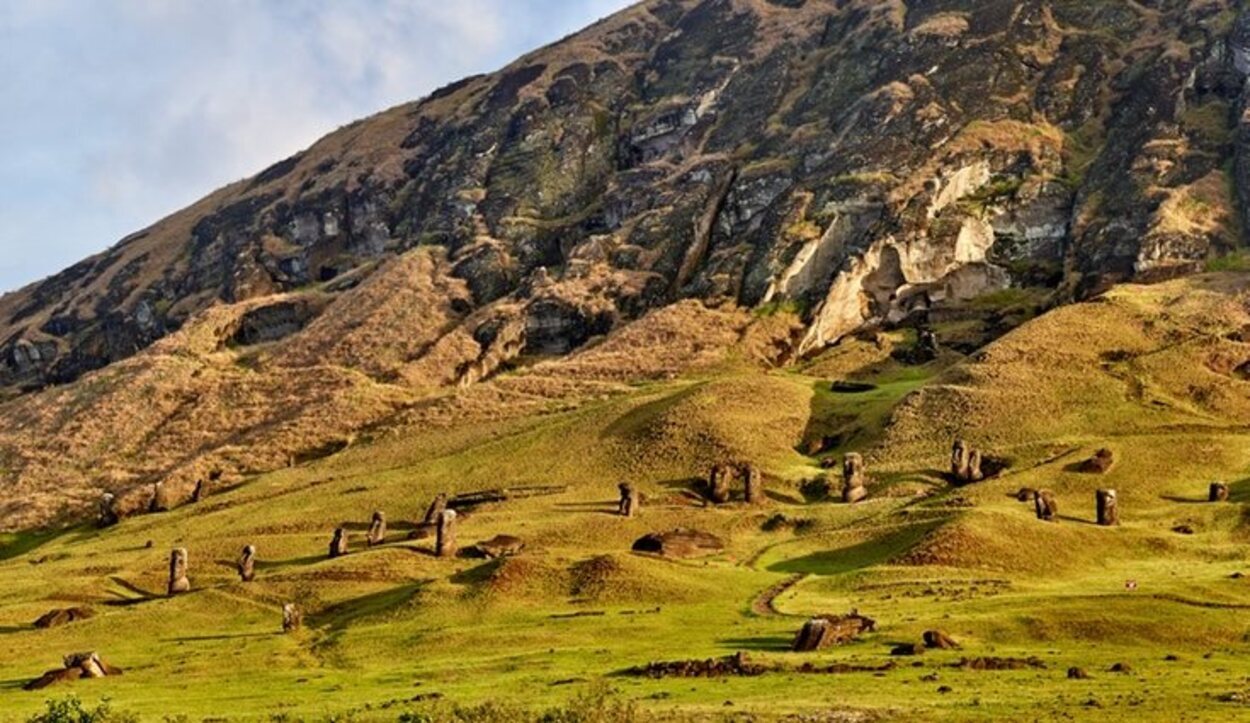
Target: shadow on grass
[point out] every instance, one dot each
(207, 638)
(14, 684)
(1077, 520)
(291, 562)
(337, 618)
(123, 601)
(855, 557)
(767, 643)
(11, 629)
(603, 508)
(1189, 500)
(22, 543)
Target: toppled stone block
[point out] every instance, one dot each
(680, 543)
(827, 630)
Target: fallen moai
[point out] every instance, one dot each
(827, 630)
(680, 543)
(63, 616)
(74, 667)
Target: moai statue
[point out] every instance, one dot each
(1218, 492)
(247, 564)
(853, 489)
(377, 530)
(974, 466)
(338, 545)
(965, 462)
(959, 460)
(159, 501)
(927, 348)
(445, 543)
(108, 515)
(1045, 505)
(1108, 508)
(292, 618)
(178, 582)
(198, 493)
(630, 502)
(435, 509)
(718, 484)
(754, 485)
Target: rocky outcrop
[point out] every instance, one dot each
(865, 161)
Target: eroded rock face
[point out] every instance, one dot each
(846, 157)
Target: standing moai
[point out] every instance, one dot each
(435, 510)
(198, 493)
(853, 487)
(1108, 508)
(292, 618)
(159, 501)
(108, 514)
(965, 462)
(338, 545)
(1218, 492)
(377, 529)
(630, 500)
(445, 543)
(247, 564)
(1045, 504)
(178, 582)
(718, 484)
(754, 485)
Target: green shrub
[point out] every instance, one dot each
(71, 710)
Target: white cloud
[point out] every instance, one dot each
(117, 113)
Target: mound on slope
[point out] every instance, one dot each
(739, 418)
(1137, 360)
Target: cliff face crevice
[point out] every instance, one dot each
(867, 162)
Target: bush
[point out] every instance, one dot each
(71, 710)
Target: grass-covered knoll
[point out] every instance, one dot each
(1149, 372)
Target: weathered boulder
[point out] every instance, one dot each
(338, 543)
(1045, 506)
(63, 616)
(680, 543)
(853, 486)
(499, 546)
(630, 502)
(826, 630)
(1108, 508)
(445, 543)
(74, 667)
(178, 582)
(247, 564)
(377, 529)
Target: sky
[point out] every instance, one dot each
(115, 113)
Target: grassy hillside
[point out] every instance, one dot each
(1149, 372)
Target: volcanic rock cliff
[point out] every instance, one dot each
(858, 163)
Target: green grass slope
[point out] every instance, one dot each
(1149, 372)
